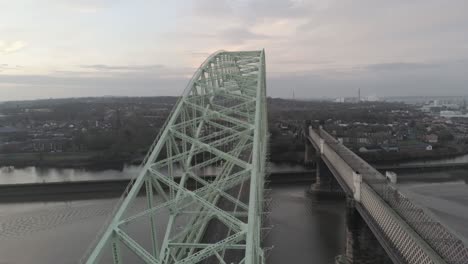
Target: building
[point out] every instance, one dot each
(8, 131)
(370, 149)
(414, 146)
(391, 148)
(11, 133)
(432, 138)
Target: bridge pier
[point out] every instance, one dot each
(310, 154)
(362, 247)
(325, 184)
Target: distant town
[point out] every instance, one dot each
(79, 132)
(110, 131)
(392, 130)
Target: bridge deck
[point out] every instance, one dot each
(406, 231)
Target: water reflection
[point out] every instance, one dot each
(12, 175)
(9, 175)
(459, 159)
(448, 203)
(305, 230)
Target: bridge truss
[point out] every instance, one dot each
(407, 231)
(199, 196)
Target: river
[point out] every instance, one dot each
(304, 229)
(458, 159)
(12, 175)
(60, 232)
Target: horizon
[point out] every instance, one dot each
(381, 99)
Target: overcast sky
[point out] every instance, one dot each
(319, 48)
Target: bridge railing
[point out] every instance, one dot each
(451, 248)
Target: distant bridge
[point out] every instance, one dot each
(406, 231)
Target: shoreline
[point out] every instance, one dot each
(93, 189)
(84, 160)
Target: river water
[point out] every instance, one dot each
(11, 175)
(60, 232)
(305, 230)
(459, 159)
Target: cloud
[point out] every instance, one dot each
(198, 54)
(283, 8)
(117, 71)
(323, 47)
(239, 35)
(384, 79)
(400, 66)
(250, 12)
(14, 87)
(443, 81)
(6, 67)
(300, 61)
(103, 67)
(129, 71)
(87, 6)
(226, 36)
(10, 47)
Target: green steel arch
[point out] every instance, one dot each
(199, 195)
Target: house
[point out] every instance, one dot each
(50, 145)
(7, 133)
(414, 146)
(370, 149)
(390, 148)
(362, 140)
(431, 138)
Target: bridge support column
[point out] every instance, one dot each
(357, 179)
(361, 245)
(325, 184)
(309, 153)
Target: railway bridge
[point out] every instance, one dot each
(407, 232)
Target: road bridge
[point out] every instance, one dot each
(407, 232)
(219, 121)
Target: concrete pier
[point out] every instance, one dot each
(362, 247)
(324, 183)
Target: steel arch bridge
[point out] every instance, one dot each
(199, 195)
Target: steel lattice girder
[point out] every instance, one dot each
(220, 124)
